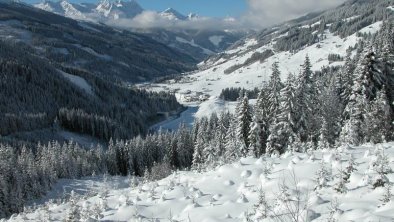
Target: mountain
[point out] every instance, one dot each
(196, 42)
(56, 71)
(71, 10)
(321, 36)
(199, 44)
(172, 14)
(118, 9)
(122, 55)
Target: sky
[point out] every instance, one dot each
(216, 14)
(211, 8)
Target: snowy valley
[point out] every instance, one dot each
(293, 123)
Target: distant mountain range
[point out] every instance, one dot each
(196, 42)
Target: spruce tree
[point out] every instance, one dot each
(305, 101)
(244, 119)
(282, 129)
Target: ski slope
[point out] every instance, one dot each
(228, 192)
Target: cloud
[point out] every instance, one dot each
(152, 19)
(262, 13)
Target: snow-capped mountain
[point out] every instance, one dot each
(102, 11)
(197, 43)
(173, 14)
(118, 9)
(65, 8)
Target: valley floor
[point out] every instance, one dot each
(229, 192)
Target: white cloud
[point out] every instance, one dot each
(268, 12)
(260, 14)
(152, 19)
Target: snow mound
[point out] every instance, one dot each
(213, 195)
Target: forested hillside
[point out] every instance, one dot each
(108, 53)
(60, 74)
(36, 94)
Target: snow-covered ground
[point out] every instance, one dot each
(186, 117)
(227, 192)
(212, 80)
(79, 82)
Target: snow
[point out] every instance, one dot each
(313, 25)
(350, 18)
(192, 43)
(211, 79)
(172, 15)
(226, 192)
(391, 8)
(216, 39)
(91, 51)
(372, 28)
(84, 140)
(70, 11)
(14, 29)
(79, 82)
(186, 117)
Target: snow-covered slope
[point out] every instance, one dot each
(213, 77)
(229, 192)
(173, 14)
(247, 64)
(71, 10)
(118, 9)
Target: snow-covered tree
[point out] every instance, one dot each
(282, 129)
(377, 122)
(232, 151)
(274, 87)
(244, 119)
(306, 103)
(262, 207)
(262, 117)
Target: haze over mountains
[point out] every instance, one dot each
(187, 33)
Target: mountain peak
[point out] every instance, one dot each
(172, 14)
(119, 8)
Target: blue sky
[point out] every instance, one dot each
(212, 8)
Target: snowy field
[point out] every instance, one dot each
(186, 117)
(231, 192)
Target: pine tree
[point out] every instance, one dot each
(261, 208)
(232, 151)
(220, 134)
(305, 101)
(388, 195)
(74, 213)
(352, 132)
(254, 138)
(243, 124)
(323, 141)
(274, 87)
(344, 80)
(340, 186)
(322, 177)
(262, 117)
(282, 129)
(197, 155)
(378, 120)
